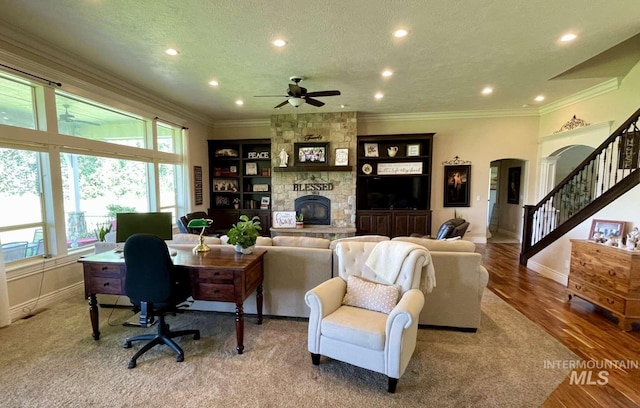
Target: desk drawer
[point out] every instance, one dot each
(105, 286)
(103, 269)
(217, 292)
(215, 276)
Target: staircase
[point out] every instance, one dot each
(605, 175)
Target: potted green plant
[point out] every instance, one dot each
(102, 230)
(244, 233)
(300, 221)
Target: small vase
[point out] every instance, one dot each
(242, 250)
(299, 224)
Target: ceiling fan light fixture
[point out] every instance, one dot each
(297, 102)
(279, 42)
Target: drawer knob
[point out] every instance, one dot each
(578, 286)
(216, 291)
(216, 274)
(611, 302)
(612, 273)
(106, 284)
(104, 268)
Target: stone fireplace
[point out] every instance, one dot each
(316, 209)
(339, 130)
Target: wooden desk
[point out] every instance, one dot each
(218, 275)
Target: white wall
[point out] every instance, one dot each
(615, 107)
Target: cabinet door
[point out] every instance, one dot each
(373, 223)
(406, 223)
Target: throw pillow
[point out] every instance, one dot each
(370, 295)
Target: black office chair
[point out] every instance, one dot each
(155, 287)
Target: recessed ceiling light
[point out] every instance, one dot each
(525, 105)
(239, 102)
(387, 73)
(172, 51)
(379, 95)
(400, 33)
(488, 90)
(343, 106)
(539, 98)
(279, 43)
(213, 82)
(568, 37)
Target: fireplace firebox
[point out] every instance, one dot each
(316, 209)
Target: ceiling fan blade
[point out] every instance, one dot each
(281, 105)
(324, 93)
(270, 96)
(314, 102)
(86, 122)
(295, 90)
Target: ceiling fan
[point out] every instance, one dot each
(69, 118)
(297, 95)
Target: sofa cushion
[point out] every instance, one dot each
(357, 326)
(365, 238)
(458, 245)
(306, 242)
(370, 295)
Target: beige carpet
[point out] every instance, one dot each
(50, 360)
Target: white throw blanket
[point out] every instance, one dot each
(387, 257)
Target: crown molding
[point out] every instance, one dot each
(597, 90)
(394, 117)
(241, 123)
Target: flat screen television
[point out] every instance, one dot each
(157, 223)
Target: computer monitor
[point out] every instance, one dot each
(157, 223)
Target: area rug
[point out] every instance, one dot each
(51, 360)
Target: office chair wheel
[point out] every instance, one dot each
(132, 364)
(196, 336)
(127, 344)
(179, 359)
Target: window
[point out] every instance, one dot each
(16, 103)
(90, 121)
(95, 189)
(21, 219)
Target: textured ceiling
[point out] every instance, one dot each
(454, 49)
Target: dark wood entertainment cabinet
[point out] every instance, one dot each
(394, 184)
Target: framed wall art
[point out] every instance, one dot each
(284, 219)
(513, 192)
(311, 153)
(226, 185)
(457, 182)
(370, 150)
(342, 157)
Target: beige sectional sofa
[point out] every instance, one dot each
(294, 265)
(460, 282)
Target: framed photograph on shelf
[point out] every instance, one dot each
(226, 152)
(457, 180)
(342, 157)
(284, 219)
(602, 230)
(251, 169)
(370, 150)
(310, 153)
(226, 185)
(264, 203)
(413, 150)
(233, 169)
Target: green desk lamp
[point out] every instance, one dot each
(200, 223)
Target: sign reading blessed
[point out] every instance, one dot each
(313, 187)
(399, 168)
(258, 155)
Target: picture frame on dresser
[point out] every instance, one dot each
(601, 230)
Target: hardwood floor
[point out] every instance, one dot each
(588, 331)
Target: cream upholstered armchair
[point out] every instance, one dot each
(356, 319)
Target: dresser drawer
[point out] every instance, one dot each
(595, 295)
(107, 286)
(608, 277)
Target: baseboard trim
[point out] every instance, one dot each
(548, 272)
(34, 306)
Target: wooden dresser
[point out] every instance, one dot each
(607, 277)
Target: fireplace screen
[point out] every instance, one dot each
(315, 209)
